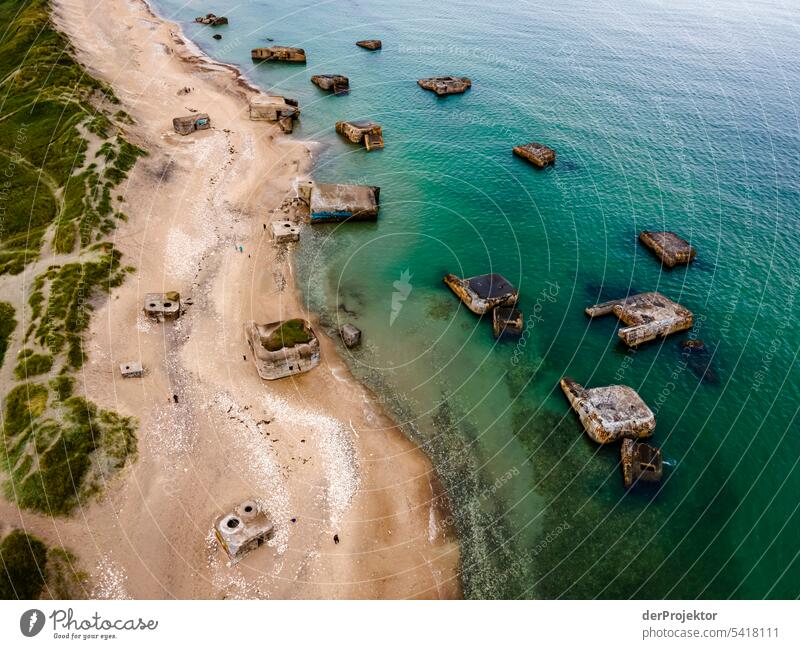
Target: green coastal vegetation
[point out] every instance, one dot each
(30, 570)
(63, 156)
(290, 333)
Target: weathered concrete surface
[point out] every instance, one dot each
(648, 316)
(336, 82)
(640, 462)
(211, 19)
(506, 321)
(537, 154)
(163, 306)
(131, 370)
(370, 44)
(668, 247)
(446, 85)
(367, 133)
(190, 123)
(610, 413)
(285, 231)
(351, 335)
(483, 292)
(279, 53)
(329, 203)
(286, 361)
(243, 530)
(274, 108)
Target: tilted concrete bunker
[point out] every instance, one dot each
(610, 413)
(274, 108)
(362, 132)
(668, 247)
(483, 293)
(242, 530)
(283, 348)
(336, 82)
(279, 53)
(537, 154)
(640, 462)
(370, 44)
(330, 203)
(648, 316)
(506, 321)
(445, 85)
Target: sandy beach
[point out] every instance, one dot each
(315, 449)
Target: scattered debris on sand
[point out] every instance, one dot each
(370, 44)
(191, 123)
(279, 53)
(610, 413)
(506, 321)
(640, 462)
(483, 293)
(274, 108)
(336, 82)
(446, 85)
(367, 133)
(668, 247)
(648, 316)
(243, 530)
(537, 154)
(211, 19)
(329, 202)
(351, 335)
(282, 348)
(163, 306)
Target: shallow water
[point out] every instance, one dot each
(677, 117)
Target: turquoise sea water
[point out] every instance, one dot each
(678, 116)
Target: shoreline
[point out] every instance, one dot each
(331, 456)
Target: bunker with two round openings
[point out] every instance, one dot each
(163, 306)
(242, 530)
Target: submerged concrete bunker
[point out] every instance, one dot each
(668, 247)
(483, 293)
(648, 316)
(370, 44)
(446, 85)
(279, 53)
(274, 108)
(537, 154)
(609, 413)
(331, 203)
(640, 462)
(282, 348)
(336, 82)
(506, 321)
(243, 530)
(363, 132)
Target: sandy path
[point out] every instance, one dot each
(315, 448)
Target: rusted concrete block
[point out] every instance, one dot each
(668, 247)
(191, 123)
(243, 530)
(279, 53)
(336, 82)
(367, 133)
(537, 154)
(506, 321)
(610, 413)
(640, 462)
(446, 85)
(163, 306)
(648, 316)
(483, 293)
(285, 231)
(370, 44)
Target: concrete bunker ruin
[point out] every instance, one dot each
(163, 306)
(212, 20)
(609, 413)
(370, 44)
(445, 85)
(363, 132)
(351, 335)
(336, 82)
(191, 123)
(537, 154)
(668, 247)
(333, 203)
(285, 231)
(640, 462)
(279, 53)
(242, 530)
(131, 370)
(506, 321)
(274, 108)
(483, 293)
(648, 316)
(282, 348)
